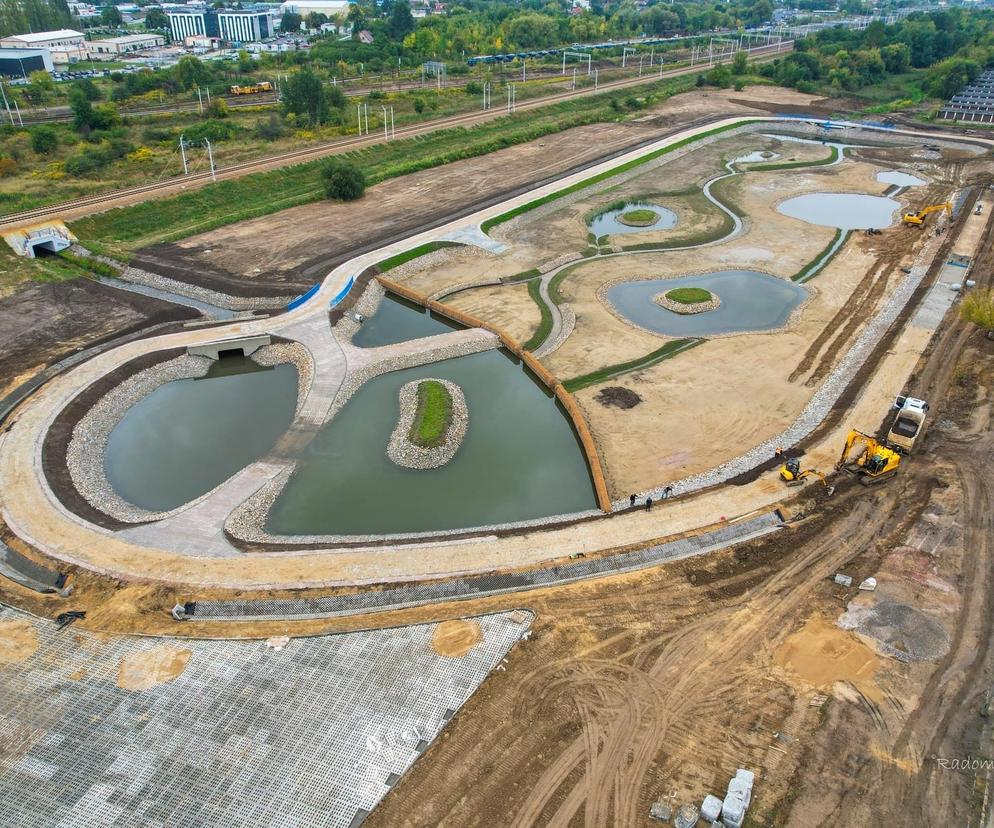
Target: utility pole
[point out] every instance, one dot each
(487, 96)
(595, 79)
(7, 104)
(208, 96)
(574, 78)
(641, 58)
(522, 70)
(182, 152)
(210, 157)
(358, 116)
(386, 125)
(511, 95)
(393, 126)
(17, 109)
(201, 99)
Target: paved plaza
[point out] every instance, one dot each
(310, 734)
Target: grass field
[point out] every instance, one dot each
(433, 415)
(688, 295)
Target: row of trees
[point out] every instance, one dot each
(20, 16)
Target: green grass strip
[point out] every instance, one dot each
(523, 276)
(793, 165)
(670, 349)
(521, 209)
(689, 295)
(433, 415)
(817, 264)
(89, 265)
(545, 323)
(414, 253)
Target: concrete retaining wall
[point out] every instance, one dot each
(533, 365)
(248, 345)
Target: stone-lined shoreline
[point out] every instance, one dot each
(403, 452)
(664, 301)
(85, 454)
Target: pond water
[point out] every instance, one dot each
(397, 320)
(756, 157)
(846, 211)
(189, 435)
(899, 179)
(520, 460)
(750, 301)
(607, 224)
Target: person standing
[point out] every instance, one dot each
(648, 504)
(631, 500)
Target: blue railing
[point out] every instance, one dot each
(343, 292)
(296, 303)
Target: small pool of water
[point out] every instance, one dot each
(189, 435)
(750, 301)
(756, 157)
(899, 179)
(520, 460)
(846, 211)
(607, 224)
(397, 320)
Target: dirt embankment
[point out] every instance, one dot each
(43, 323)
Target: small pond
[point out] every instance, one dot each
(756, 157)
(846, 211)
(750, 301)
(397, 320)
(520, 460)
(609, 223)
(899, 179)
(190, 435)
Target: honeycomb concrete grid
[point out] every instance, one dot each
(310, 735)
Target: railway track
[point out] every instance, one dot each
(131, 194)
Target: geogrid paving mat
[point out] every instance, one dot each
(483, 585)
(307, 736)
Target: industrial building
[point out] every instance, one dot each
(64, 45)
(19, 63)
(331, 8)
(250, 25)
(125, 44)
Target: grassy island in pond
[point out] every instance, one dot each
(434, 414)
(689, 295)
(639, 217)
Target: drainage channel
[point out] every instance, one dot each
(208, 310)
(20, 570)
(482, 586)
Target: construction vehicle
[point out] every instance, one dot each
(874, 463)
(791, 474)
(917, 219)
(252, 89)
(907, 424)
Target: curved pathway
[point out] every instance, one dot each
(33, 512)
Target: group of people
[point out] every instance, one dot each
(648, 501)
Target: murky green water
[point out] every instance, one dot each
(520, 460)
(397, 320)
(188, 436)
(750, 301)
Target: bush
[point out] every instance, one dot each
(217, 109)
(343, 180)
(212, 130)
(473, 88)
(978, 308)
(8, 166)
(85, 162)
(376, 95)
(44, 140)
(270, 130)
(419, 105)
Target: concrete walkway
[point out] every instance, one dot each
(34, 514)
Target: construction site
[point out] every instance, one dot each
(702, 535)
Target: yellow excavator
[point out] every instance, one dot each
(917, 219)
(873, 464)
(791, 474)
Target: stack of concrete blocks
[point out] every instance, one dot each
(711, 810)
(737, 799)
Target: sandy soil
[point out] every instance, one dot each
(511, 308)
(42, 323)
(456, 638)
(18, 641)
(149, 668)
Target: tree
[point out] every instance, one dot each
(111, 16)
(530, 30)
(896, 57)
(156, 19)
(290, 22)
(304, 97)
(191, 72)
(342, 180)
(83, 117)
(978, 308)
(740, 63)
(315, 20)
(44, 140)
(401, 21)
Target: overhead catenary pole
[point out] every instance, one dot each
(17, 109)
(200, 98)
(365, 112)
(393, 126)
(6, 103)
(358, 116)
(182, 152)
(386, 128)
(210, 158)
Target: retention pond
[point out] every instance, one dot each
(846, 211)
(397, 320)
(520, 460)
(190, 435)
(611, 223)
(750, 301)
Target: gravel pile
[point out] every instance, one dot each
(899, 631)
(403, 452)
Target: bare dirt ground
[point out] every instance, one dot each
(292, 249)
(660, 685)
(43, 322)
(510, 308)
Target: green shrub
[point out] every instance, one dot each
(270, 130)
(212, 130)
(44, 140)
(419, 105)
(342, 180)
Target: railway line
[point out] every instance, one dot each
(85, 205)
